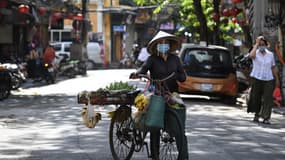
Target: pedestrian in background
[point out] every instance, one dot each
(264, 78)
(34, 69)
(49, 55)
(136, 51)
(143, 55)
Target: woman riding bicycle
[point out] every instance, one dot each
(161, 63)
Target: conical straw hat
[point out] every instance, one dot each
(174, 42)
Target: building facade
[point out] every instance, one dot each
(266, 17)
(29, 21)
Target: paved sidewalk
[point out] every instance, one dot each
(280, 110)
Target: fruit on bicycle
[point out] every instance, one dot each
(141, 101)
(111, 114)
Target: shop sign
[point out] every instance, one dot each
(119, 28)
(167, 26)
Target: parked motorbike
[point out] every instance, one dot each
(126, 62)
(82, 68)
(17, 74)
(49, 73)
(5, 82)
(139, 63)
(243, 65)
(70, 68)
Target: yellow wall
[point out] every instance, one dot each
(107, 37)
(115, 3)
(93, 17)
(107, 32)
(106, 21)
(68, 21)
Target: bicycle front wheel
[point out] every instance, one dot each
(121, 137)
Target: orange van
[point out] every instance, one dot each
(209, 71)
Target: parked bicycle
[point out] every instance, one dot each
(125, 137)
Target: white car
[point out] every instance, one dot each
(94, 52)
(62, 48)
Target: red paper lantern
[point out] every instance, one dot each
(216, 17)
(3, 4)
(78, 16)
(226, 12)
(24, 8)
(56, 15)
(236, 1)
(235, 11)
(42, 10)
(69, 15)
(234, 20)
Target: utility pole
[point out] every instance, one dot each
(78, 49)
(84, 24)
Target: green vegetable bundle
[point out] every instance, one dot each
(120, 86)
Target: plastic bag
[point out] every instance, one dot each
(89, 116)
(277, 96)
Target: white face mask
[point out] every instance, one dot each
(163, 48)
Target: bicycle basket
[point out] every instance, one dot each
(122, 113)
(105, 97)
(139, 121)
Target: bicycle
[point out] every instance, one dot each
(125, 137)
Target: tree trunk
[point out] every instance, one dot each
(216, 33)
(202, 19)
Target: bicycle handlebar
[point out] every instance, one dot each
(156, 80)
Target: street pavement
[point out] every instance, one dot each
(41, 122)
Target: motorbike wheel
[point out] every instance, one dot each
(49, 76)
(16, 82)
(4, 92)
(70, 73)
(90, 65)
(82, 68)
(52, 78)
(50, 81)
(5, 84)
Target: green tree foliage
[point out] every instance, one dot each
(192, 19)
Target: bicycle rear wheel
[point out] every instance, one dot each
(121, 137)
(170, 139)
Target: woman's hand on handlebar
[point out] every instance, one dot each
(134, 75)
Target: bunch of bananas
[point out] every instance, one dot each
(111, 114)
(141, 101)
(90, 121)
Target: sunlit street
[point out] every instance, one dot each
(43, 122)
(142, 80)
